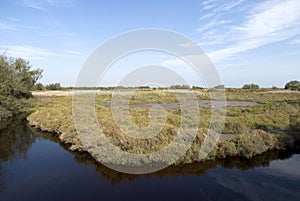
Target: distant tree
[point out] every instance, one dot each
(293, 85)
(143, 87)
(197, 87)
(221, 86)
(184, 86)
(54, 86)
(39, 87)
(250, 86)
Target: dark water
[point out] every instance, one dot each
(35, 167)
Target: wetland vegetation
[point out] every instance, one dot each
(271, 122)
(256, 119)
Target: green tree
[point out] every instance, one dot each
(197, 87)
(293, 85)
(184, 86)
(250, 86)
(16, 82)
(39, 87)
(54, 86)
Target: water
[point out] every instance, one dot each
(34, 166)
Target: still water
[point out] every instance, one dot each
(34, 166)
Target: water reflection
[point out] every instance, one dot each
(15, 140)
(263, 160)
(51, 173)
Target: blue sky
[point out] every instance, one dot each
(249, 41)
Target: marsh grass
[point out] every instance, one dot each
(272, 124)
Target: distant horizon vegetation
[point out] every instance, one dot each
(293, 85)
(10, 63)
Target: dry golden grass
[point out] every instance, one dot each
(272, 124)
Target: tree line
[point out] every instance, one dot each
(292, 85)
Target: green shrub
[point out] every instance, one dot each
(250, 86)
(254, 142)
(293, 85)
(39, 87)
(54, 86)
(16, 82)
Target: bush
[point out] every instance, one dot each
(235, 126)
(54, 86)
(197, 87)
(39, 87)
(17, 79)
(293, 85)
(180, 86)
(250, 86)
(221, 86)
(254, 142)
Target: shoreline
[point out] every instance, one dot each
(224, 161)
(196, 168)
(249, 130)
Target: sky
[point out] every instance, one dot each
(249, 41)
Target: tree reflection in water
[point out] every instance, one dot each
(15, 140)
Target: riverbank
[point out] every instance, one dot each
(271, 122)
(197, 168)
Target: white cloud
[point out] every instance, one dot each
(231, 5)
(208, 15)
(235, 49)
(211, 24)
(215, 22)
(26, 52)
(34, 4)
(36, 53)
(265, 23)
(268, 22)
(217, 7)
(43, 5)
(72, 53)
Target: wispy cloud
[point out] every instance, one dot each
(216, 20)
(36, 53)
(264, 23)
(211, 24)
(217, 7)
(34, 4)
(72, 53)
(43, 5)
(26, 52)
